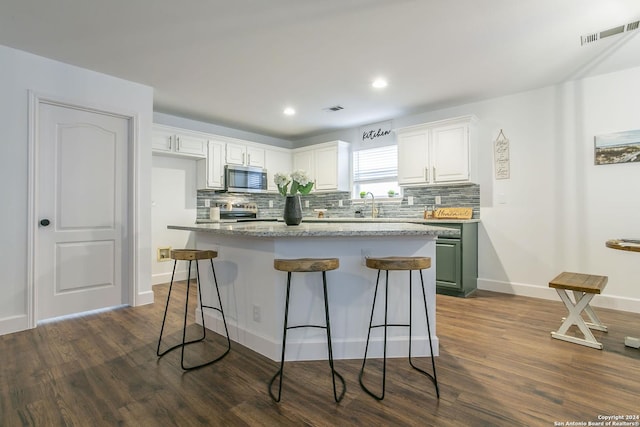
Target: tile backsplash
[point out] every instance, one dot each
(455, 195)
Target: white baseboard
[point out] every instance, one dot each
(162, 278)
(9, 325)
(144, 298)
(298, 350)
(605, 301)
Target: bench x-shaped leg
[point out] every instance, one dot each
(575, 318)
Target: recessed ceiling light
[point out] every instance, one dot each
(289, 111)
(379, 83)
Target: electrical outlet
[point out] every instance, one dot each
(207, 203)
(438, 200)
(410, 200)
(306, 203)
(164, 254)
(256, 313)
(340, 203)
(270, 203)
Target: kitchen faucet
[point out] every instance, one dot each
(373, 203)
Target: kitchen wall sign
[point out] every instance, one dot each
(501, 156)
(376, 132)
(618, 147)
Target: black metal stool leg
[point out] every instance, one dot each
(384, 357)
(386, 325)
(166, 309)
(184, 341)
(224, 320)
(280, 372)
(433, 377)
(334, 373)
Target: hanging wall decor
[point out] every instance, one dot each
(501, 156)
(619, 147)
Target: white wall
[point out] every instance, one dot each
(19, 73)
(173, 201)
(558, 208)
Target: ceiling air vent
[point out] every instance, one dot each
(590, 38)
(334, 108)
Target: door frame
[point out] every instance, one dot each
(130, 261)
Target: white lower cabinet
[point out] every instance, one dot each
(210, 171)
(434, 153)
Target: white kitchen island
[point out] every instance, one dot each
(253, 292)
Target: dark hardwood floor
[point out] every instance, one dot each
(498, 366)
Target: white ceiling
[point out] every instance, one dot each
(238, 63)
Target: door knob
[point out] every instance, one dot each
(44, 222)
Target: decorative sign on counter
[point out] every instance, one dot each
(453, 213)
(501, 156)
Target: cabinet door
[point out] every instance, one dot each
(448, 263)
(450, 153)
(255, 156)
(413, 157)
(276, 161)
(215, 164)
(162, 141)
(304, 160)
(235, 154)
(191, 145)
(326, 168)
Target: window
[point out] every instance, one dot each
(375, 170)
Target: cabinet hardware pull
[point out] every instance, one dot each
(426, 174)
(434, 174)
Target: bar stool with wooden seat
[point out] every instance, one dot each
(397, 264)
(192, 255)
(307, 265)
(584, 287)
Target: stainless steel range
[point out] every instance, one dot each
(241, 212)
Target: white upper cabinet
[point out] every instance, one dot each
(210, 171)
(303, 159)
(276, 160)
(450, 149)
(245, 155)
(434, 153)
(328, 164)
(413, 157)
(178, 142)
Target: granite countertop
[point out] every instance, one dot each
(319, 229)
(404, 220)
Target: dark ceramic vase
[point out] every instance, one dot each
(292, 210)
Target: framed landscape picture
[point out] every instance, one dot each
(619, 147)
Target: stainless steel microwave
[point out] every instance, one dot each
(247, 179)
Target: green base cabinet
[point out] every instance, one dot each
(457, 261)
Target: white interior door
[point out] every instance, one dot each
(81, 194)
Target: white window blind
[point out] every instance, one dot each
(375, 164)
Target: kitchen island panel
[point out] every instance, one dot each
(247, 279)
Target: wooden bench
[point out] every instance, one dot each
(584, 287)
